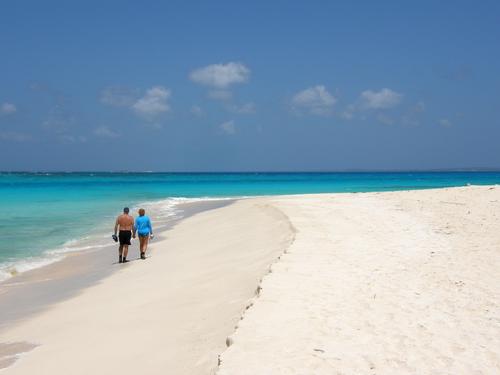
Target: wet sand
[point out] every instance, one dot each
(31, 292)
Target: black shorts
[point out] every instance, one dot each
(125, 236)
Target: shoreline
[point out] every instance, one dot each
(96, 240)
(31, 292)
(175, 309)
(353, 282)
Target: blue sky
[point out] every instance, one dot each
(253, 85)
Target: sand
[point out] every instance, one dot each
(380, 283)
(169, 314)
(372, 283)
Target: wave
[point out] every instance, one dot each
(13, 268)
(161, 211)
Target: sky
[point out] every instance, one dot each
(249, 85)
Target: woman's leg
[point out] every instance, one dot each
(141, 243)
(143, 240)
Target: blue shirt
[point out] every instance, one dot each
(143, 225)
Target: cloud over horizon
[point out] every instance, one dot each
(153, 103)
(221, 75)
(315, 100)
(383, 99)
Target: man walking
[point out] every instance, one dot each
(126, 224)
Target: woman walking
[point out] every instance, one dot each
(144, 229)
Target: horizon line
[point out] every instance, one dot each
(266, 171)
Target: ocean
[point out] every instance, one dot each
(45, 215)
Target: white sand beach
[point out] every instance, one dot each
(368, 283)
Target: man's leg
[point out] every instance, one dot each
(125, 253)
(120, 252)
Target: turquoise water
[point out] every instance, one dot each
(44, 215)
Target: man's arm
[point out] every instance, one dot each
(116, 226)
(134, 228)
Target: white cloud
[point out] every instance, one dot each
(7, 108)
(223, 95)
(228, 127)
(445, 123)
(118, 96)
(221, 75)
(105, 132)
(153, 103)
(383, 99)
(196, 110)
(244, 109)
(316, 100)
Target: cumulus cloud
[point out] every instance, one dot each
(316, 100)
(153, 103)
(383, 99)
(118, 96)
(105, 132)
(7, 108)
(223, 95)
(228, 127)
(221, 75)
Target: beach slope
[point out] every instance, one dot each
(169, 314)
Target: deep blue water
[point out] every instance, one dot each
(46, 211)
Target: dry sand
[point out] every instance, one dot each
(375, 283)
(380, 283)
